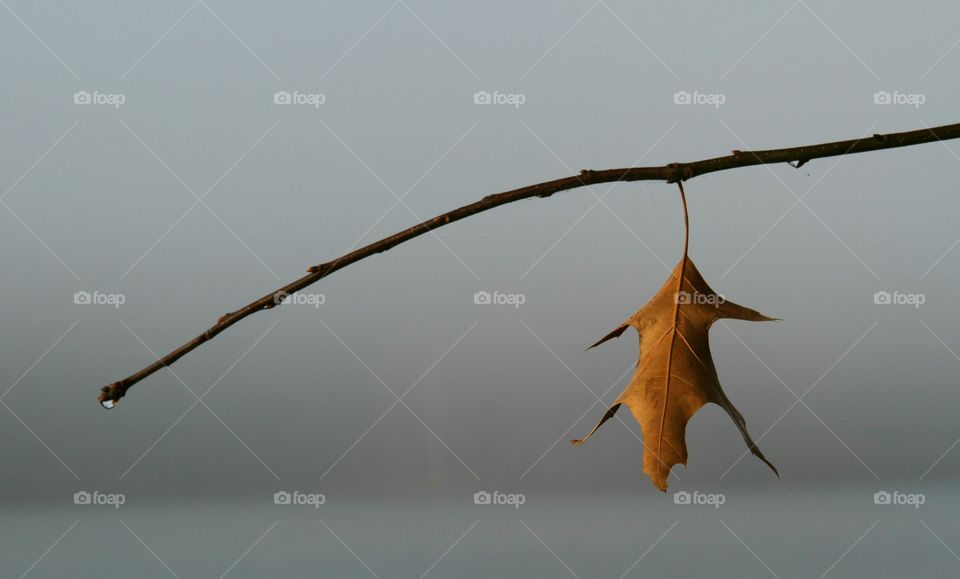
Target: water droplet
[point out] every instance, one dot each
(108, 404)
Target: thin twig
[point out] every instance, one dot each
(672, 173)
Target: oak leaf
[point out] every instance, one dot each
(675, 374)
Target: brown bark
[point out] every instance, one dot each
(674, 172)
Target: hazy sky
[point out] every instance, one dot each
(189, 187)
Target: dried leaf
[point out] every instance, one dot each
(675, 373)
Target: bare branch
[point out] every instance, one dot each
(674, 172)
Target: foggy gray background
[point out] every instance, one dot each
(97, 198)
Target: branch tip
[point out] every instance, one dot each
(111, 394)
